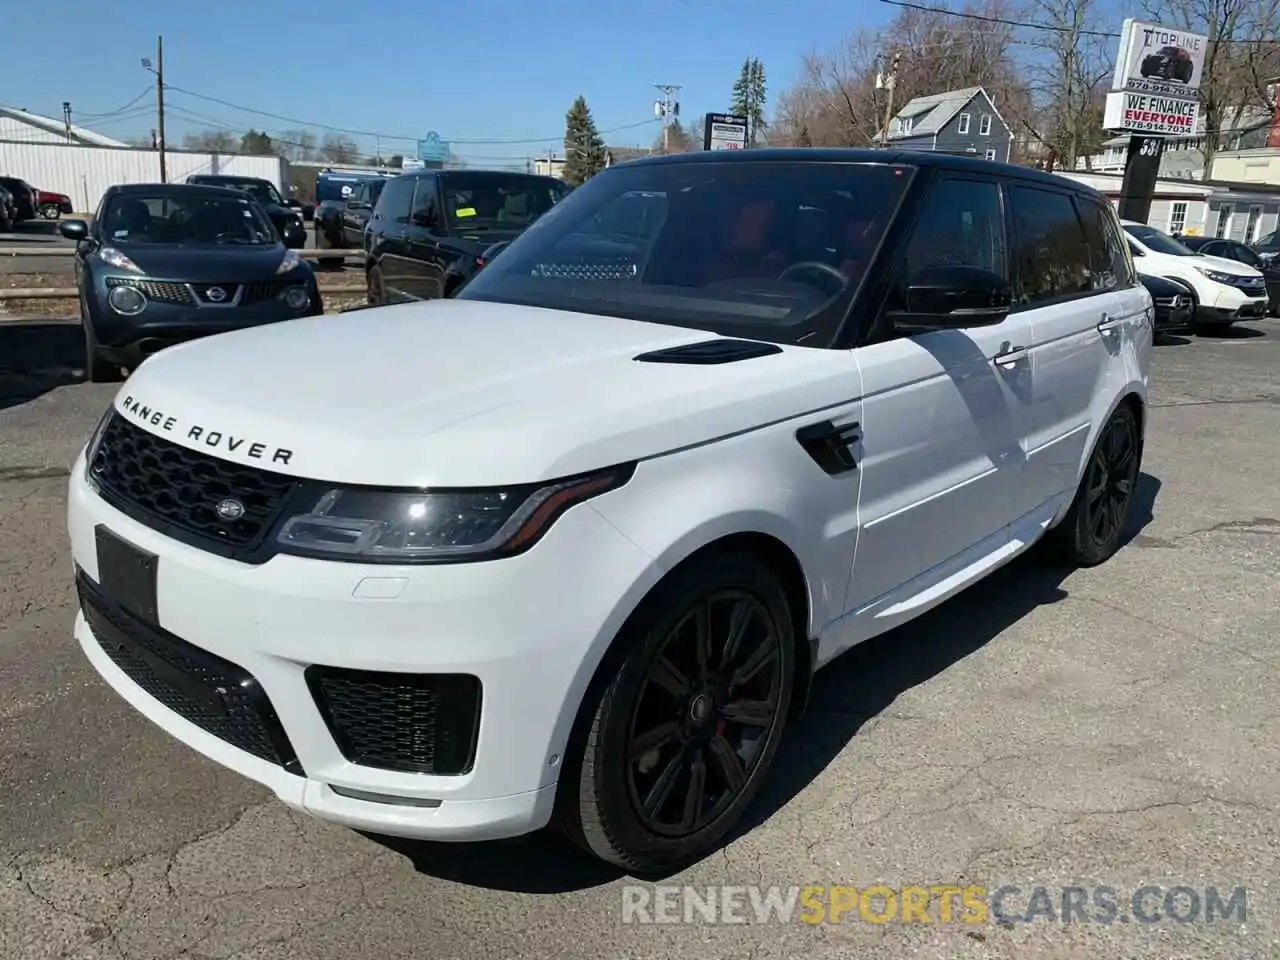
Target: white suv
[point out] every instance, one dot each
(1223, 290)
(569, 548)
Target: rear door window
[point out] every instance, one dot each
(396, 199)
(1051, 251)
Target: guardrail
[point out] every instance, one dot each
(63, 293)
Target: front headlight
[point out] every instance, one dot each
(290, 262)
(95, 441)
(118, 260)
(1217, 276)
(435, 526)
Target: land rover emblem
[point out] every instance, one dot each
(216, 295)
(229, 509)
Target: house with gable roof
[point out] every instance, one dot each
(964, 122)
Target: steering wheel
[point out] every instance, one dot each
(815, 266)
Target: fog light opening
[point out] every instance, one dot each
(297, 298)
(127, 300)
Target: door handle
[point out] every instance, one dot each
(1010, 356)
(1109, 325)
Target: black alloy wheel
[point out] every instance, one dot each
(1093, 528)
(677, 743)
(709, 700)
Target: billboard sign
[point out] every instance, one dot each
(1159, 60)
(724, 131)
(431, 149)
(1144, 113)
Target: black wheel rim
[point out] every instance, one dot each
(706, 710)
(1109, 483)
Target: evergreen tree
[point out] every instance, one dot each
(749, 94)
(584, 152)
(680, 140)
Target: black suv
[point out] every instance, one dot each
(286, 217)
(429, 231)
(24, 197)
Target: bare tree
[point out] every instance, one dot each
(1068, 74)
(297, 145)
(1241, 59)
(336, 148)
(212, 141)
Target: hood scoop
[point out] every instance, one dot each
(707, 352)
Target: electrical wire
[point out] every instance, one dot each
(126, 108)
(372, 134)
(1029, 25)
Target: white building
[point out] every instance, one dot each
(22, 126)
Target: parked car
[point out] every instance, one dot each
(342, 223)
(741, 448)
(1169, 63)
(1268, 246)
(24, 197)
(8, 210)
(53, 205)
(165, 263)
(430, 229)
(1240, 253)
(1172, 304)
(288, 221)
(1223, 291)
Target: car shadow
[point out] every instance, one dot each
(37, 357)
(1233, 332)
(1179, 339)
(846, 695)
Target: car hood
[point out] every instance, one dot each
(1233, 267)
(465, 393)
(206, 264)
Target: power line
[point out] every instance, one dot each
(146, 92)
(1029, 25)
(485, 141)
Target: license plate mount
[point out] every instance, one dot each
(127, 574)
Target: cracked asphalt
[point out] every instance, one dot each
(1114, 727)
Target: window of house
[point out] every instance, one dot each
(1254, 225)
(1052, 254)
(1177, 217)
(907, 123)
(1224, 221)
(991, 154)
(985, 127)
(964, 123)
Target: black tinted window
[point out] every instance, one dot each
(487, 201)
(425, 203)
(766, 249)
(1106, 250)
(960, 224)
(395, 200)
(184, 217)
(1051, 252)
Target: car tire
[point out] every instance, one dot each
(50, 211)
(96, 369)
(705, 738)
(1086, 537)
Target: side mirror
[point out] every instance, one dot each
(74, 229)
(949, 297)
(492, 251)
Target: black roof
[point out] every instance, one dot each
(925, 159)
(151, 189)
(212, 178)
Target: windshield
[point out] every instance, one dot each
(263, 191)
(496, 201)
(1158, 242)
(762, 249)
(185, 218)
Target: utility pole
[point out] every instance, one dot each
(158, 70)
(667, 108)
(66, 119)
(889, 83)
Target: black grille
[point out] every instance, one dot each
(229, 292)
(262, 290)
(165, 485)
(214, 694)
(161, 291)
(409, 723)
(608, 268)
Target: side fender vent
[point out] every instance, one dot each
(831, 446)
(711, 351)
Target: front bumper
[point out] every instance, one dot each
(128, 340)
(504, 622)
(1230, 304)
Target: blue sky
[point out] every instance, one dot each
(498, 70)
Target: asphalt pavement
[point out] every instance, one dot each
(1114, 727)
(37, 236)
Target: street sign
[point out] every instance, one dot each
(1159, 60)
(431, 149)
